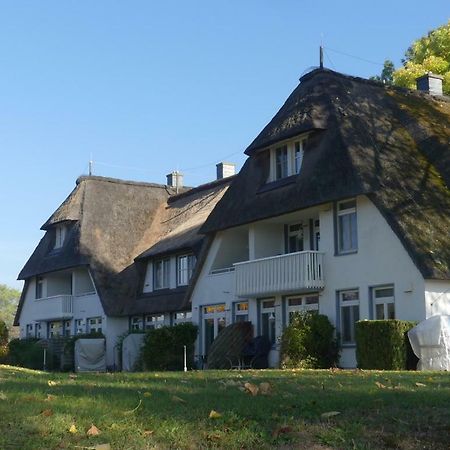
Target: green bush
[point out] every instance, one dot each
(384, 344)
(163, 347)
(309, 342)
(27, 353)
(3, 334)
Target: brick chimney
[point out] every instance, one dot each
(430, 83)
(225, 169)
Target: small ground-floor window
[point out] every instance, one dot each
(39, 330)
(349, 314)
(301, 303)
(383, 302)
(29, 330)
(55, 329)
(213, 323)
(181, 317)
(267, 319)
(154, 321)
(136, 323)
(240, 311)
(80, 326)
(94, 325)
(67, 328)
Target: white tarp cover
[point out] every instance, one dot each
(131, 350)
(430, 341)
(90, 355)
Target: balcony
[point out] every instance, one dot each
(293, 272)
(52, 308)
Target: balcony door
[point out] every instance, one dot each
(213, 323)
(295, 238)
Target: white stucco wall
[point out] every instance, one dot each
(380, 260)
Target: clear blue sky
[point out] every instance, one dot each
(151, 86)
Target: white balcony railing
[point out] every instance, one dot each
(56, 307)
(292, 272)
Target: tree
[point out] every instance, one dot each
(430, 53)
(9, 298)
(387, 73)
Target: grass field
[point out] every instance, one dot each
(405, 410)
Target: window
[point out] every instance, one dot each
(287, 159)
(302, 303)
(67, 328)
(185, 268)
(346, 227)
(80, 327)
(295, 238)
(182, 317)
(281, 162)
(316, 234)
(213, 324)
(268, 319)
(161, 274)
(39, 287)
(95, 325)
(349, 315)
(241, 311)
(154, 321)
(29, 330)
(55, 329)
(383, 302)
(137, 323)
(60, 236)
(38, 331)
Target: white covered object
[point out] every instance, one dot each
(430, 341)
(90, 355)
(131, 350)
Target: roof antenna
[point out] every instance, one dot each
(321, 51)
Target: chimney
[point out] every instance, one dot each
(430, 83)
(175, 179)
(225, 169)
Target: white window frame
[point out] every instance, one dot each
(351, 304)
(385, 301)
(80, 326)
(95, 324)
(55, 328)
(294, 158)
(154, 321)
(240, 311)
(296, 234)
(40, 288)
(164, 264)
(185, 268)
(60, 236)
(67, 327)
(217, 313)
(136, 323)
(340, 214)
(181, 317)
(305, 304)
(267, 307)
(29, 330)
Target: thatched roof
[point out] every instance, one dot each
(110, 223)
(389, 143)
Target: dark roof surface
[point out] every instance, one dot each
(389, 143)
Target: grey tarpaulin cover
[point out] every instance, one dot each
(90, 355)
(430, 341)
(131, 349)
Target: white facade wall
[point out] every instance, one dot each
(380, 260)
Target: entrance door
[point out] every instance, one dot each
(213, 324)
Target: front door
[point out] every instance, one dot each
(213, 324)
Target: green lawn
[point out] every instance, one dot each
(406, 410)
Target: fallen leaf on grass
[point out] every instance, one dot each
(100, 447)
(380, 385)
(329, 414)
(52, 383)
(252, 388)
(47, 413)
(177, 399)
(420, 384)
(214, 414)
(281, 430)
(147, 394)
(50, 398)
(265, 388)
(148, 433)
(3, 396)
(73, 429)
(93, 431)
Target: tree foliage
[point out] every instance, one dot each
(387, 74)
(9, 298)
(430, 53)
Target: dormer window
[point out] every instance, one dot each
(286, 159)
(60, 236)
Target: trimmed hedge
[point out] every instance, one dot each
(28, 353)
(308, 342)
(384, 345)
(163, 347)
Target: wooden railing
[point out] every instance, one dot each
(292, 272)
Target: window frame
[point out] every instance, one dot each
(240, 315)
(293, 161)
(97, 326)
(39, 288)
(269, 310)
(338, 215)
(303, 307)
(385, 301)
(187, 272)
(348, 304)
(60, 236)
(165, 278)
(150, 324)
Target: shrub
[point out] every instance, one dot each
(27, 353)
(384, 344)
(309, 342)
(3, 333)
(163, 347)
